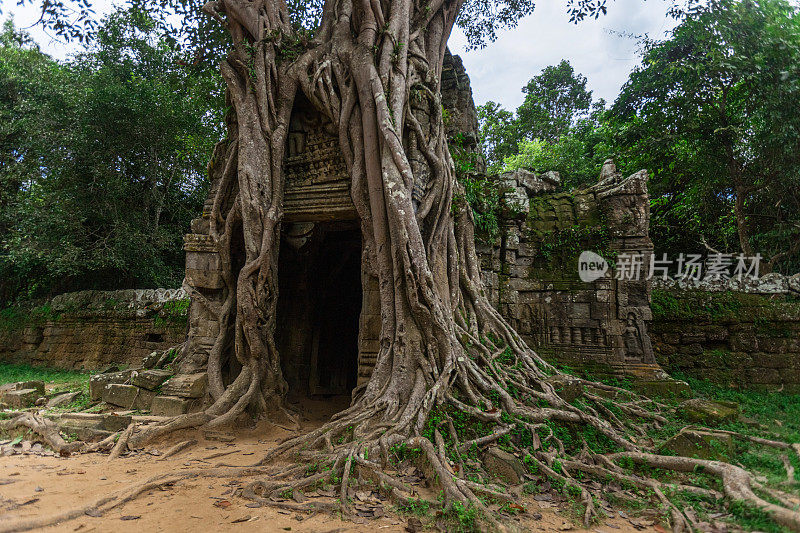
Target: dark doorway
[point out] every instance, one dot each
(319, 306)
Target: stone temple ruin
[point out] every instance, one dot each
(532, 273)
(328, 321)
(328, 309)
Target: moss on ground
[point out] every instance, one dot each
(64, 380)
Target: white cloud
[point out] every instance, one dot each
(26, 16)
(595, 48)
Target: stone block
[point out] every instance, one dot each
(62, 399)
(98, 382)
(186, 385)
(86, 434)
(5, 388)
(150, 379)
(708, 411)
(580, 311)
(567, 387)
(666, 349)
(105, 422)
(150, 361)
(691, 349)
(128, 396)
(700, 444)
(21, 398)
(36, 385)
(173, 406)
(504, 465)
(667, 388)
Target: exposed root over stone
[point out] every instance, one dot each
(43, 427)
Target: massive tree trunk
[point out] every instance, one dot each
(374, 70)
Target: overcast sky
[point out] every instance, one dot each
(595, 48)
(498, 72)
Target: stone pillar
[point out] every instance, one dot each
(369, 326)
(202, 275)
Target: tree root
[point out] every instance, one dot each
(122, 444)
(46, 429)
(737, 482)
(178, 448)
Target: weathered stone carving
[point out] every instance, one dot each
(317, 182)
(532, 271)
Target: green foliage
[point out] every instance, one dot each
(65, 379)
(104, 160)
(17, 318)
(482, 193)
(416, 507)
(577, 156)
(711, 112)
(499, 134)
(554, 101)
(175, 312)
(751, 518)
(557, 127)
(465, 517)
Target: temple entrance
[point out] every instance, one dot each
(319, 276)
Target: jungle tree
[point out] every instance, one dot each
(373, 68)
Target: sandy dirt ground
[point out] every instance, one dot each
(33, 484)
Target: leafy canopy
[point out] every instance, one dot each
(712, 112)
(103, 160)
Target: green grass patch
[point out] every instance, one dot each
(64, 380)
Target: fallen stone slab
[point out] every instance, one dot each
(668, 388)
(21, 398)
(106, 422)
(173, 406)
(186, 385)
(36, 385)
(62, 399)
(128, 396)
(149, 361)
(150, 379)
(700, 444)
(708, 411)
(86, 434)
(98, 382)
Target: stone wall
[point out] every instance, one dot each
(93, 329)
(739, 339)
(532, 272)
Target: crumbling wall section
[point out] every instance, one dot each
(93, 329)
(532, 272)
(740, 335)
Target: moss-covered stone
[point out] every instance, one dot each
(708, 411)
(699, 444)
(566, 386)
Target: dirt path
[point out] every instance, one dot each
(32, 485)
